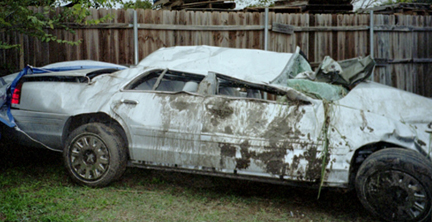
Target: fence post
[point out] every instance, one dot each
(135, 31)
(266, 12)
(371, 40)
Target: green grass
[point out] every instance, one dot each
(34, 187)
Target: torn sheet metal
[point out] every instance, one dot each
(346, 72)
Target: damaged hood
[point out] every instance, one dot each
(381, 113)
(390, 102)
(246, 64)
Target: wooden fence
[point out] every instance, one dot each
(402, 43)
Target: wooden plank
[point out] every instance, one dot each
(169, 27)
(190, 36)
(170, 35)
(129, 52)
(216, 36)
(60, 47)
(282, 28)
(99, 44)
(3, 63)
(428, 41)
(380, 28)
(160, 35)
(182, 17)
(383, 41)
(258, 36)
(122, 42)
(233, 36)
(114, 41)
(363, 36)
(21, 51)
(146, 38)
(427, 70)
(421, 80)
(409, 60)
(202, 38)
(323, 40)
(274, 37)
(311, 41)
(292, 19)
(202, 27)
(27, 51)
(304, 41)
(223, 20)
(249, 35)
(15, 57)
(341, 39)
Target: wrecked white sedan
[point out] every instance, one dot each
(237, 113)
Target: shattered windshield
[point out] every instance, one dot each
(318, 90)
(297, 64)
(330, 81)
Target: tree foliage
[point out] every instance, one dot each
(146, 4)
(19, 17)
(372, 3)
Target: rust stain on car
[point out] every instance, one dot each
(285, 127)
(227, 150)
(220, 109)
(273, 160)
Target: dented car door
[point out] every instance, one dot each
(163, 123)
(253, 136)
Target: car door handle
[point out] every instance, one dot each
(129, 102)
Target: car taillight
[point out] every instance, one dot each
(16, 96)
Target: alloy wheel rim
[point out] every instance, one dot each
(397, 195)
(89, 157)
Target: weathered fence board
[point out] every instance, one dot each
(402, 43)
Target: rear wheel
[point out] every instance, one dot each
(95, 155)
(396, 185)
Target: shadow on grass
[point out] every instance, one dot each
(15, 156)
(299, 202)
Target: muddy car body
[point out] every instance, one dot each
(223, 112)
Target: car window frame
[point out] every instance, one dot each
(262, 87)
(164, 72)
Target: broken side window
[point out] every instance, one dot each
(166, 80)
(238, 88)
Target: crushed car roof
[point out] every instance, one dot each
(248, 64)
(82, 64)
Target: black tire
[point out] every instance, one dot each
(396, 185)
(95, 155)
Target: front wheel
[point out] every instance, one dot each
(396, 185)
(95, 155)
